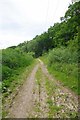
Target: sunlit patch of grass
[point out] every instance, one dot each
(67, 73)
(51, 88)
(69, 81)
(37, 108)
(38, 76)
(73, 114)
(53, 110)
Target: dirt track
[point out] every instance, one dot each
(33, 99)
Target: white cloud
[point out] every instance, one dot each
(23, 19)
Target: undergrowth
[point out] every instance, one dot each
(63, 64)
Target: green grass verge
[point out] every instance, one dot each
(50, 89)
(66, 73)
(38, 76)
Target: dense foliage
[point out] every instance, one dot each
(65, 60)
(57, 35)
(12, 60)
(59, 50)
(61, 41)
(62, 62)
(67, 54)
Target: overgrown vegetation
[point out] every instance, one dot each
(63, 59)
(60, 51)
(63, 64)
(60, 43)
(14, 61)
(18, 65)
(57, 35)
(14, 87)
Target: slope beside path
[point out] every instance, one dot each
(47, 99)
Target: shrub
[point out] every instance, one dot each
(12, 60)
(6, 72)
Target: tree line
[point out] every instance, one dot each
(57, 35)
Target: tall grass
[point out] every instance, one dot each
(13, 63)
(13, 60)
(63, 64)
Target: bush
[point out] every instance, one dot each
(12, 60)
(6, 72)
(63, 63)
(62, 55)
(67, 54)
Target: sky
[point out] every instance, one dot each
(22, 20)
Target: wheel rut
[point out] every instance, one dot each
(41, 96)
